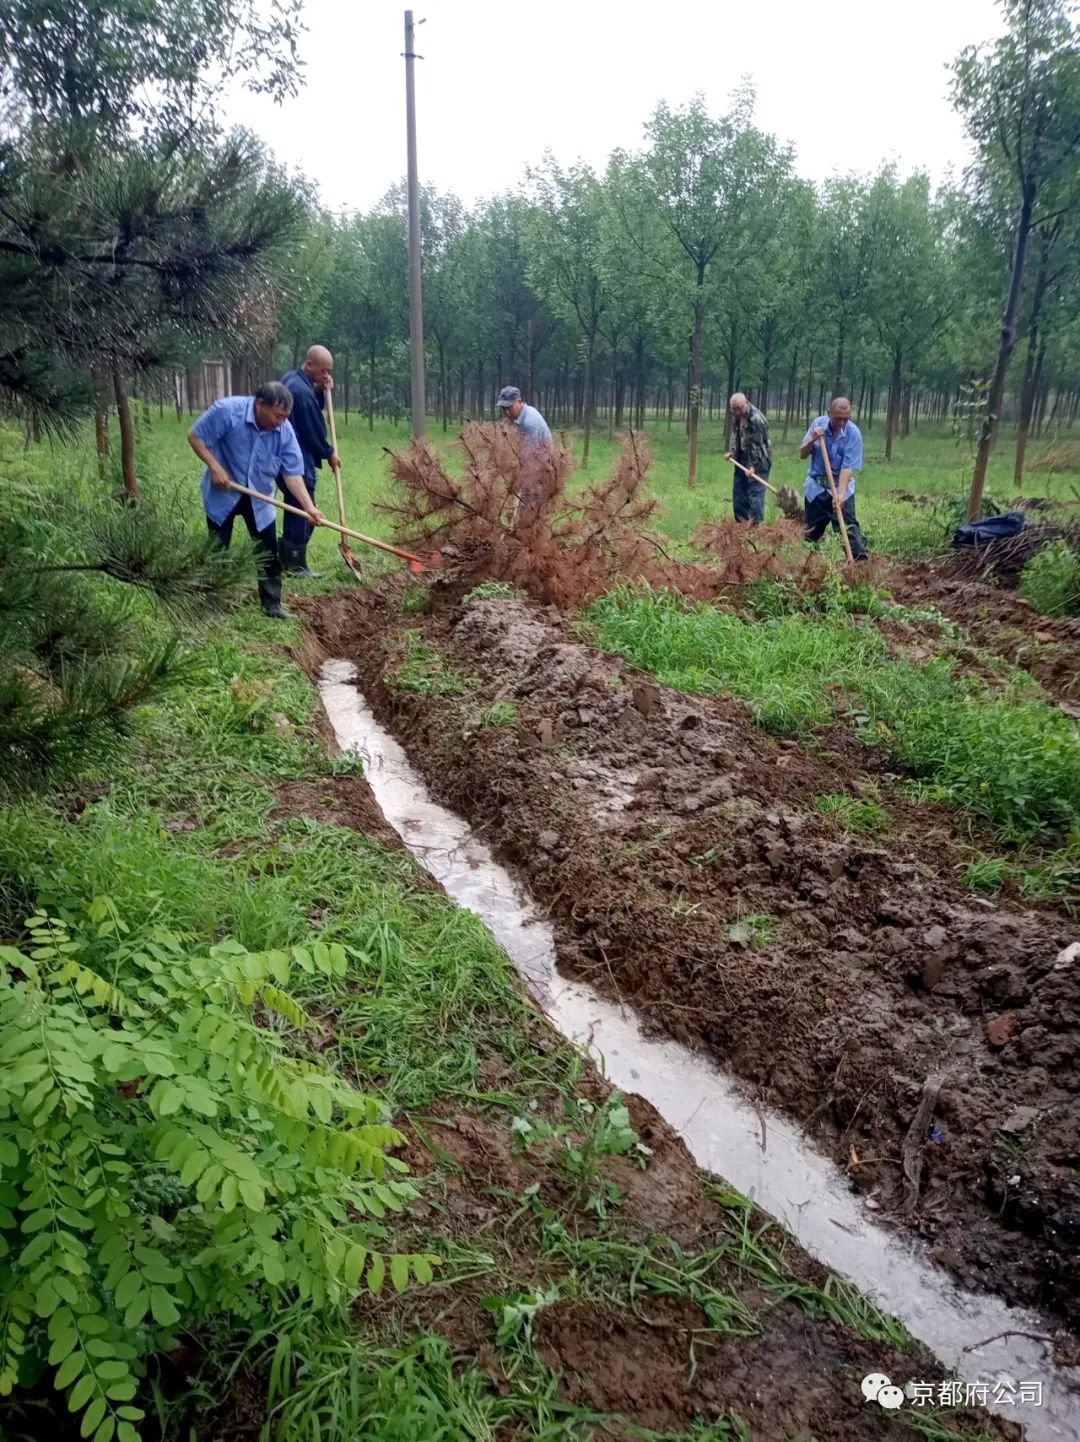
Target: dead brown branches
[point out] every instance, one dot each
(747, 553)
(508, 515)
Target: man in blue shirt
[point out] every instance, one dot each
(308, 387)
(843, 441)
(535, 438)
(248, 439)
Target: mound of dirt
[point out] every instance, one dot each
(1001, 621)
(676, 849)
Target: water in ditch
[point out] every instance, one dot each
(763, 1155)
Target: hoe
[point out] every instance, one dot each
(786, 498)
(416, 565)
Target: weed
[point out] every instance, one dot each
(579, 1142)
(985, 873)
(854, 813)
(1051, 580)
(424, 672)
(921, 615)
(494, 591)
(499, 713)
(517, 1314)
(753, 930)
(783, 670)
(413, 600)
(758, 1245)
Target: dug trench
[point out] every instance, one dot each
(927, 1040)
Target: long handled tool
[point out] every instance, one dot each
(343, 545)
(786, 498)
(416, 565)
(837, 506)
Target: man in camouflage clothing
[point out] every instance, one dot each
(752, 450)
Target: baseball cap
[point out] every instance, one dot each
(507, 396)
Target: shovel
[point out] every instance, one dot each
(786, 498)
(837, 507)
(416, 565)
(343, 545)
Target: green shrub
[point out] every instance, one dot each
(164, 1159)
(1051, 580)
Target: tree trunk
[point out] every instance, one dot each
(695, 375)
(892, 410)
(101, 421)
(587, 396)
(838, 378)
(1042, 389)
(127, 434)
(988, 434)
(371, 389)
(346, 387)
(1027, 402)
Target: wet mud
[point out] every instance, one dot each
(928, 1040)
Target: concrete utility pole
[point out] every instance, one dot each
(416, 304)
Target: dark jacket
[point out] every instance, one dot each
(307, 422)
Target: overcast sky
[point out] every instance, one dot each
(849, 83)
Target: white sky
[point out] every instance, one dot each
(850, 82)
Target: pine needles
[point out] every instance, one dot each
(511, 517)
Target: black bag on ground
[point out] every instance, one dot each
(992, 528)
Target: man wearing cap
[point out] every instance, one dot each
(248, 440)
(528, 420)
(535, 440)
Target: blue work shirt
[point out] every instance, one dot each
(845, 454)
(252, 457)
(307, 421)
(534, 429)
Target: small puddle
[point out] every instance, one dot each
(763, 1155)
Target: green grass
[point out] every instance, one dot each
(424, 672)
(1051, 580)
(854, 813)
(1007, 756)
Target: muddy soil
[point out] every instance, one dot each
(660, 1364)
(930, 1040)
(1002, 622)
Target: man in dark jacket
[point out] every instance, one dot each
(752, 450)
(308, 387)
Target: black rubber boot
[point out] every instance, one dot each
(294, 562)
(270, 599)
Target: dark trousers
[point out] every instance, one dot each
(748, 497)
(269, 562)
(295, 530)
(819, 514)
